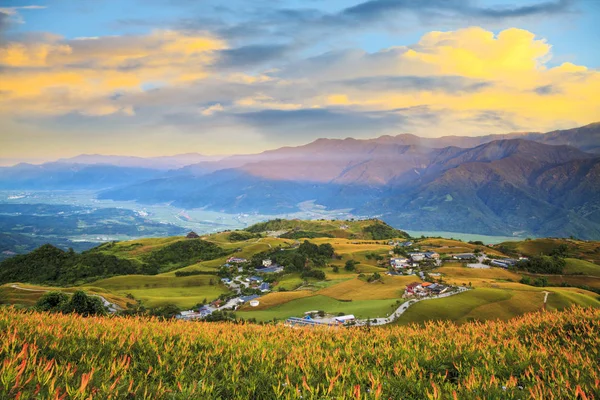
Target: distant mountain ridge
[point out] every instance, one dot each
(520, 183)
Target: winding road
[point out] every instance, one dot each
(404, 306)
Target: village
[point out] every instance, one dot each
(248, 284)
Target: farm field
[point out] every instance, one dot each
(360, 308)
(450, 246)
(488, 303)
(152, 359)
(586, 250)
(26, 294)
(158, 290)
(581, 267)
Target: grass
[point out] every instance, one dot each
(156, 290)
(16, 296)
(297, 308)
(356, 289)
(581, 267)
(572, 280)
(453, 308)
(497, 301)
(463, 273)
(449, 246)
(586, 250)
(278, 298)
(540, 355)
(29, 297)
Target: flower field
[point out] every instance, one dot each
(540, 355)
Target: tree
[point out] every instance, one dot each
(78, 303)
(350, 265)
(52, 301)
(166, 311)
(336, 268)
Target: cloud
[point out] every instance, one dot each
(251, 55)
(13, 14)
(448, 84)
(547, 90)
(210, 110)
(380, 9)
(166, 85)
(54, 75)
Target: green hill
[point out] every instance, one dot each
(53, 266)
(582, 249)
(371, 229)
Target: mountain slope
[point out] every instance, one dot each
(54, 176)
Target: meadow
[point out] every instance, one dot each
(538, 356)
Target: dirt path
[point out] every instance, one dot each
(112, 307)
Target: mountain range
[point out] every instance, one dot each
(540, 184)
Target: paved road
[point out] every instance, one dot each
(112, 307)
(404, 306)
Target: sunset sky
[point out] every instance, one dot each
(158, 77)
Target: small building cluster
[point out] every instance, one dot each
(504, 262)
(424, 289)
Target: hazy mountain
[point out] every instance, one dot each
(163, 162)
(500, 187)
(529, 183)
(71, 176)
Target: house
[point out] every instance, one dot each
(413, 287)
(345, 319)
(498, 263)
(394, 273)
(244, 299)
(236, 260)
(416, 256)
(192, 235)
(267, 262)
(264, 287)
(273, 269)
(255, 279)
(226, 280)
(204, 311)
(464, 256)
(192, 315)
(437, 288)
(399, 262)
(425, 285)
(406, 244)
(432, 255)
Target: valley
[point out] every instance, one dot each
(367, 271)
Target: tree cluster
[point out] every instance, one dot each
(543, 265)
(79, 303)
(51, 265)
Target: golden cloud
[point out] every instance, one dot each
(514, 63)
(56, 76)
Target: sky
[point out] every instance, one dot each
(161, 77)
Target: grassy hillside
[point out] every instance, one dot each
(371, 229)
(497, 294)
(585, 250)
(28, 295)
(542, 355)
(581, 267)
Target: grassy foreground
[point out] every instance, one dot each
(539, 355)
